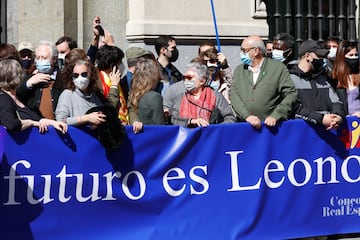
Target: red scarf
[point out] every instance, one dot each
(198, 108)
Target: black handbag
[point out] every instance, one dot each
(110, 133)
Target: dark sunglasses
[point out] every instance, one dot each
(213, 61)
(76, 75)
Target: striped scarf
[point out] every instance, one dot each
(123, 111)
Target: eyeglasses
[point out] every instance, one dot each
(245, 50)
(76, 75)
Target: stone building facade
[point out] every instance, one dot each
(136, 22)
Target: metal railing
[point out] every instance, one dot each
(313, 19)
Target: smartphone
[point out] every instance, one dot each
(100, 29)
(114, 65)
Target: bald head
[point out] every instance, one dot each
(254, 42)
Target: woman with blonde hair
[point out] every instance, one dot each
(145, 104)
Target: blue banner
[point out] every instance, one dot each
(168, 182)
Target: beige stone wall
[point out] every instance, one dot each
(138, 22)
(193, 19)
(34, 20)
(132, 20)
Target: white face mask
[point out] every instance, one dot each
(81, 82)
(61, 60)
(61, 56)
(332, 52)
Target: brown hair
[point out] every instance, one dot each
(11, 74)
(9, 51)
(70, 59)
(341, 70)
(146, 77)
(93, 77)
(211, 53)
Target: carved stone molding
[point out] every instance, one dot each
(259, 9)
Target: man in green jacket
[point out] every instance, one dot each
(262, 89)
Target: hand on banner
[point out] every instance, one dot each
(331, 121)
(200, 122)
(137, 126)
(270, 121)
(254, 121)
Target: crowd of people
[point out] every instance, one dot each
(58, 84)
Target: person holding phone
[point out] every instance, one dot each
(14, 115)
(108, 58)
(101, 37)
(41, 90)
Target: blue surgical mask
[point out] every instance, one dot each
(43, 66)
(245, 58)
(215, 85)
(278, 55)
(189, 85)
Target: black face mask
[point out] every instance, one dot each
(353, 64)
(26, 63)
(174, 55)
(317, 64)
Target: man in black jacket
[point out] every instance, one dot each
(318, 102)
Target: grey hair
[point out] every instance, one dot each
(258, 43)
(200, 69)
(11, 74)
(53, 49)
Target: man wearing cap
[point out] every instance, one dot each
(132, 55)
(26, 51)
(318, 102)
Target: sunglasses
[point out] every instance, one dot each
(212, 61)
(76, 75)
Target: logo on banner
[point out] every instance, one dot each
(342, 206)
(350, 136)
